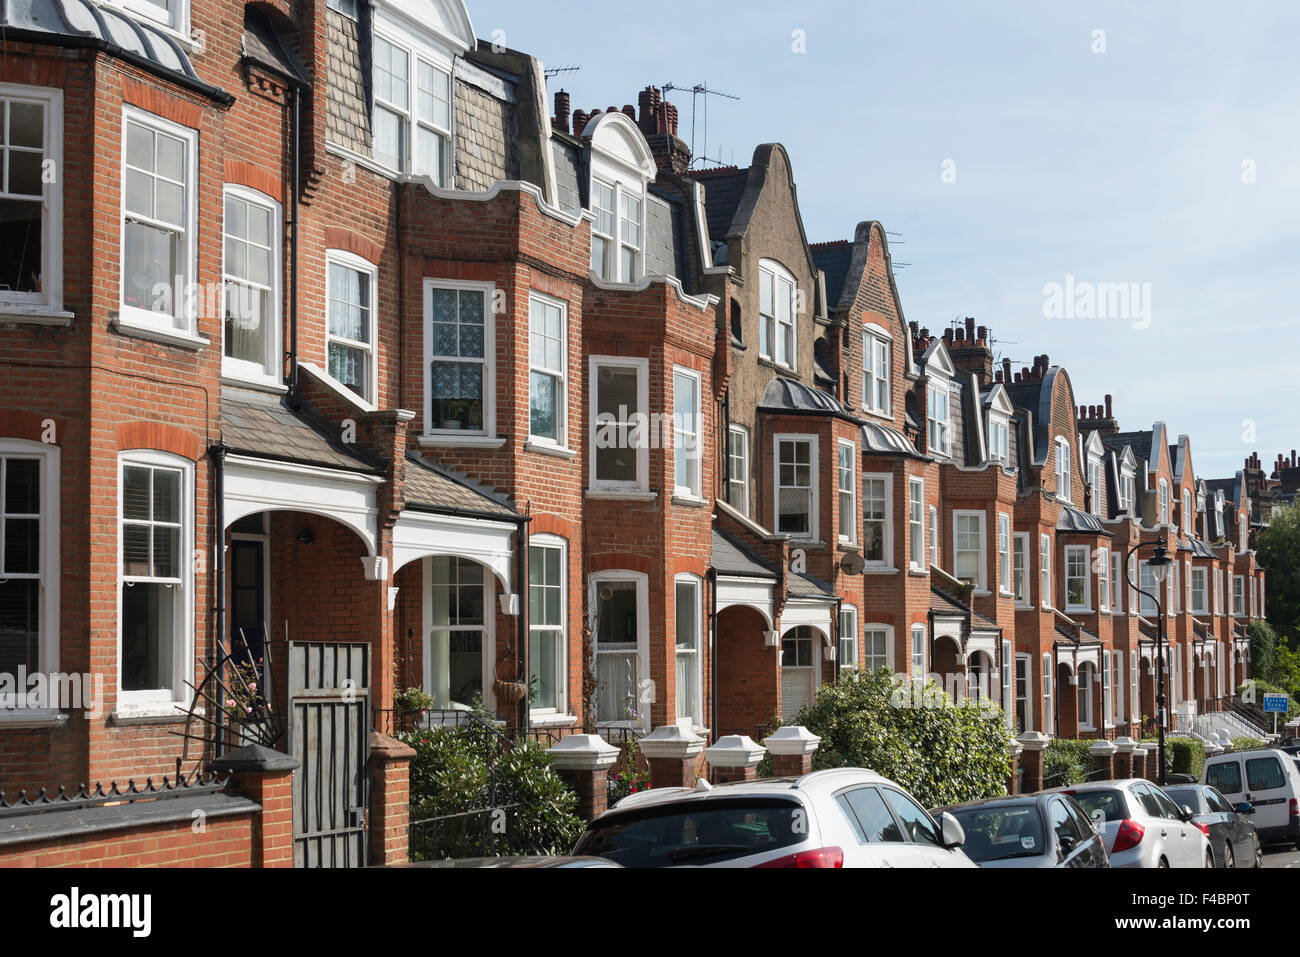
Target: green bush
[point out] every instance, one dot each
(942, 754)
(1066, 762)
(454, 770)
(1246, 744)
(1185, 756)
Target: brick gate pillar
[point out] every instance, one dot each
(390, 799)
(1102, 753)
(265, 776)
(584, 760)
(1124, 746)
(735, 757)
(1014, 748)
(1140, 762)
(792, 750)
(672, 752)
(1034, 744)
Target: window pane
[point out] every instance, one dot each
(916, 823)
(19, 625)
(868, 809)
(148, 635)
(22, 486)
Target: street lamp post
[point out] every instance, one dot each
(1159, 563)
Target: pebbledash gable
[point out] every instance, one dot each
(367, 375)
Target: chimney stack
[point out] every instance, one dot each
(561, 119)
(1006, 371)
(970, 327)
(1108, 413)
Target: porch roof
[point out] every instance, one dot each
(265, 427)
(435, 487)
(730, 557)
(1073, 520)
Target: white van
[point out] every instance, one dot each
(1269, 781)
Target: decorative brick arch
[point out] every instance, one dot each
(18, 424)
(160, 438)
(618, 561)
(685, 565)
(339, 238)
(546, 524)
(260, 178)
(166, 103)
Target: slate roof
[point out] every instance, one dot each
(75, 23)
(880, 439)
(432, 486)
(787, 395)
(264, 426)
(833, 259)
(806, 586)
(1073, 520)
(730, 557)
(1230, 487)
(949, 606)
(264, 45)
(723, 189)
(1139, 442)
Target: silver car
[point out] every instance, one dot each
(845, 817)
(1141, 825)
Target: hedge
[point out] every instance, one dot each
(1066, 762)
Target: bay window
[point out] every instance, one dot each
(547, 594)
(1049, 709)
(156, 611)
(619, 600)
(1103, 579)
(602, 229)
(968, 547)
(1004, 553)
(411, 122)
(1095, 488)
(1116, 580)
(877, 517)
(629, 236)
(848, 652)
(845, 484)
(934, 536)
(738, 468)
(1164, 502)
(252, 286)
(1076, 578)
(1063, 470)
(796, 486)
(1148, 590)
(918, 652)
(1020, 568)
(31, 204)
(1238, 596)
(1200, 605)
(1045, 571)
(999, 443)
(548, 367)
(875, 643)
(937, 429)
(916, 523)
(619, 404)
(689, 699)
(29, 559)
(687, 450)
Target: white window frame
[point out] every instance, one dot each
(1127, 491)
(608, 265)
(1175, 589)
(1242, 534)
(1107, 694)
(1200, 595)
(919, 651)
(1063, 475)
(1101, 565)
(780, 275)
(877, 378)
(814, 461)
(418, 50)
(50, 299)
(49, 564)
(535, 366)
(935, 427)
(935, 537)
(1007, 680)
(1073, 555)
(1045, 571)
(634, 249)
(175, 21)
(1146, 605)
(182, 322)
(1004, 554)
(999, 427)
(162, 700)
(641, 582)
(1116, 582)
(887, 631)
(740, 482)
(1049, 697)
(1117, 683)
(848, 651)
(553, 543)
(916, 523)
(1025, 661)
(1020, 568)
(270, 371)
(347, 260)
(1238, 595)
(693, 492)
(1083, 696)
(696, 666)
(488, 362)
(1188, 525)
(1095, 484)
(981, 579)
(1188, 582)
(1163, 498)
(887, 559)
(846, 493)
(642, 367)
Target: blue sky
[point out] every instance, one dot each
(1117, 167)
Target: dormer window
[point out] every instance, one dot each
(1241, 534)
(876, 392)
(937, 426)
(776, 314)
(621, 167)
(999, 431)
(1127, 491)
(629, 236)
(411, 124)
(1187, 512)
(1164, 502)
(1094, 484)
(1063, 470)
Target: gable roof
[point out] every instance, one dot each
(834, 259)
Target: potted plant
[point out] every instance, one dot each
(413, 701)
(507, 688)
(454, 413)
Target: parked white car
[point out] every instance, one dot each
(1141, 825)
(846, 817)
(1268, 780)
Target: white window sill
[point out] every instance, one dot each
(170, 337)
(918, 571)
(1024, 607)
(879, 570)
(267, 384)
(691, 501)
(622, 494)
(1078, 610)
(157, 713)
(449, 441)
(549, 448)
(12, 718)
(35, 315)
(552, 720)
(980, 591)
(1003, 593)
(808, 543)
(884, 415)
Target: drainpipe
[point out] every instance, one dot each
(295, 173)
(522, 624)
(835, 668)
(218, 455)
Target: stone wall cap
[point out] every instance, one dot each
(735, 751)
(1014, 747)
(1102, 748)
(1124, 744)
(389, 749)
(582, 752)
(671, 741)
(1033, 740)
(792, 739)
(255, 757)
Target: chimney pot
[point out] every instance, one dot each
(925, 333)
(983, 333)
(1108, 415)
(1006, 370)
(562, 111)
(629, 111)
(970, 327)
(580, 118)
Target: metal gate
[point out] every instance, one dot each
(329, 708)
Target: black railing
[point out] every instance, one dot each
(178, 786)
(483, 832)
(756, 733)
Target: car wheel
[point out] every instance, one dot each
(1259, 857)
(1209, 859)
(1229, 860)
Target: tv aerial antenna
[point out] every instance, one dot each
(700, 90)
(556, 70)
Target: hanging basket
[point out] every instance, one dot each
(509, 692)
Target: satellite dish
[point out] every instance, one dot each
(852, 563)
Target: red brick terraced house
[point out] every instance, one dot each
(361, 367)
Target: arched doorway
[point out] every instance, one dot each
(980, 676)
(749, 680)
(800, 669)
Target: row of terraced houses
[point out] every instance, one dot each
(328, 332)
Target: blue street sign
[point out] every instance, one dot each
(1275, 703)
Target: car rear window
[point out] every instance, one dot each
(1001, 833)
(1189, 796)
(1226, 776)
(1110, 803)
(696, 832)
(1264, 774)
